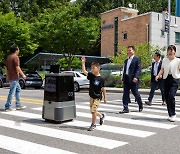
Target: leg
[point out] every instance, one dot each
(134, 89)
(166, 94)
(13, 85)
(18, 90)
(94, 115)
(153, 88)
(160, 84)
(126, 97)
(172, 95)
(95, 104)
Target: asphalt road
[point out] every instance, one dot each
(148, 132)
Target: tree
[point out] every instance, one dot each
(93, 8)
(76, 63)
(151, 5)
(65, 31)
(29, 9)
(144, 51)
(14, 30)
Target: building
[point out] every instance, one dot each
(123, 26)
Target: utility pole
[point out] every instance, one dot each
(169, 33)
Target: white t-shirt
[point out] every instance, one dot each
(171, 67)
(128, 64)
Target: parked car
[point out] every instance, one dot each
(2, 80)
(80, 80)
(33, 79)
(146, 70)
(111, 68)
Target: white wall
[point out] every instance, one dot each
(155, 31)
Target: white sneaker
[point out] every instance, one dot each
(172, 119)
(10, 109)
(20, 107)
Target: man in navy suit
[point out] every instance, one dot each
(156, 67)
(130, 79)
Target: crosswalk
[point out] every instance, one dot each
(134, 125)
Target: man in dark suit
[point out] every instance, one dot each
(130, 79)
(156, 67)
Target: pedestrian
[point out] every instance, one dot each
(95, 92)
(130, 79)
(12, 75)
(171, 74)
(156, 67)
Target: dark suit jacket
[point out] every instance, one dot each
(152, 71)
(134, 69)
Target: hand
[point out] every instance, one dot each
(24, 77)
(105, 100)
(135, 80)
(157, 77)
(160, 77)
(83, 59)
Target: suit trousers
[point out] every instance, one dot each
(170, 89)
(154, 85)
(130, 85)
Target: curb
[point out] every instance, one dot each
(120, 90)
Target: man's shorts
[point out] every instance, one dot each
(94, 104)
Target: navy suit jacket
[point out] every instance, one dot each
(134, 69)
(152, 71)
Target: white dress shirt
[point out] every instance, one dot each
(171, 67)
(156, 65)
(128, 64)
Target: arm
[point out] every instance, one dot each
(7, 79)
(138, 71)
(104, 94)
(83, 59)
(18, 69)
(160, 74)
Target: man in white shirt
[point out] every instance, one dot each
(130, 79)
(156, 67)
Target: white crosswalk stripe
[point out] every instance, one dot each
(25, 147)
(123, 120)
(112, 129)
(85, 139)
(147, 118)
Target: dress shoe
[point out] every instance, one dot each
(140, 109)
(148, 103)
(164, 103)
(124, 111)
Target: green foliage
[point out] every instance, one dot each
(65, 31)
(145, 80)
(93, 8)
(14, 30)
(29, 9)
(151, 5)
(144, 51)
(76, 63)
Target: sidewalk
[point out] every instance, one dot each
(120, 90)
(142, 91)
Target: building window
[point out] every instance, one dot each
(177, 36)
(162, 33)
(115, 35)
(125, 36)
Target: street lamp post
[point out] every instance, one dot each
(169, 12)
